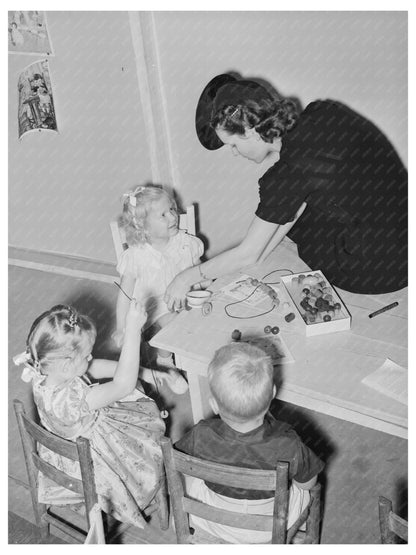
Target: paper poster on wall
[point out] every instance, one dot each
(28, 33)
(36, 102)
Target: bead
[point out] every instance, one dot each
(164, 414)
(306, 291)
(322, 284)
(286, 305)
(254, 281)
(337, 306)
(267, 329)
(236, 335)
(327, 318)
(206, 309)
(289, 317)
(312, 318)
(310, 280)
(275, 330)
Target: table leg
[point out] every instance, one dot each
(198, 387)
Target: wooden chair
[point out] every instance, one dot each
(391, 525)
(31, 434)
(186, 223)
(178, 465)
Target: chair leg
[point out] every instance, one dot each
(385, 507)
(314, 520)
(162, 505)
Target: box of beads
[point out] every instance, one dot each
(318, 303)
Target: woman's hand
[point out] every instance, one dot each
(175, 295)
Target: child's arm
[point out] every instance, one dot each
(306, 485)
(101, 368)
(126, 373)
(127, 282)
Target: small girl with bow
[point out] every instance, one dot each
(122, 424)
(157, 251)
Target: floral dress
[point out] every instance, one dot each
(124, 439)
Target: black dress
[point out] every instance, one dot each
(354, 228)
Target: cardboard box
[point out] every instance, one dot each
(305, 289)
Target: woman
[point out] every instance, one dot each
(336, 186)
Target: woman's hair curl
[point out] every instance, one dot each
(269, 117)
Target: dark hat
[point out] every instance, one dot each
(223, 90)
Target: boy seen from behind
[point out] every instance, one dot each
(240, 377)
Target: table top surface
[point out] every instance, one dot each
(328, 367)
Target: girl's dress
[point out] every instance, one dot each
(124, 439)
(153, 270)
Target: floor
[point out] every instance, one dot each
(361, 464)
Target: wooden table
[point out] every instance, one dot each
(328, 369)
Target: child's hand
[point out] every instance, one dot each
(118, 338)
(136, 315)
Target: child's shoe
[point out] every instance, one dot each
(169, 373)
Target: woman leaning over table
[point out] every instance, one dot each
(335, 186)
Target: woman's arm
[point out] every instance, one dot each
(126, 373)
(127, 282)
(247, 252)
(281, 233)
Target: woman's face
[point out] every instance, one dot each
(250, 145)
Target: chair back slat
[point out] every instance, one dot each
(56, 475)
(59, 445)
(229, 518)
(398, 526)
(232, 476)
(179, 464)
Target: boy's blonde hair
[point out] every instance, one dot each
(58, 333)
(240, 377)
(136, 206)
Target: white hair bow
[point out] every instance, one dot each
(132, 195)
(29, 371)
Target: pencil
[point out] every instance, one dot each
(381, 310)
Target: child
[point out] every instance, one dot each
(157, 252)
(122, 424)
(240, 377)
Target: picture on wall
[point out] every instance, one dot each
(28, 33)
(36, 103)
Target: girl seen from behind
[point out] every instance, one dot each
(122, 424)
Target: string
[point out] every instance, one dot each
(261, 282)
(122, 290)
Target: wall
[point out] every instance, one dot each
(64, 189)
(359, 58)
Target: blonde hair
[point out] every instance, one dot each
(136, 207)
(58, 333)
(240, 377)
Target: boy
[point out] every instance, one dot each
(240, 377)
